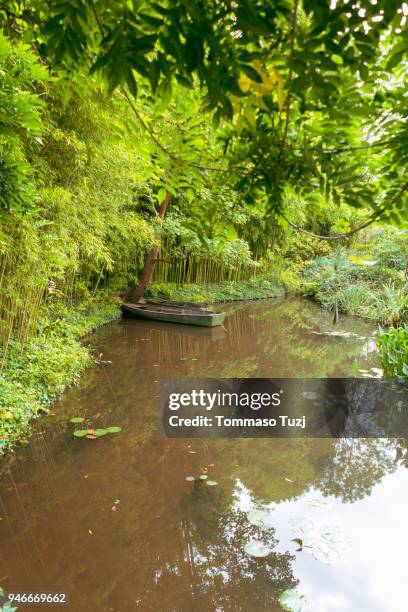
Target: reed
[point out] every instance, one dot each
(179, 265)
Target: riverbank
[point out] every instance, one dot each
(256, 288)
(33, 376)
(375, 292)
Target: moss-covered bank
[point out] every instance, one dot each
(34, 376)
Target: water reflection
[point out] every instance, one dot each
(171, 545)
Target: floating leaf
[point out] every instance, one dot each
(255, 548)
(322, 550)
(212, 483)
(302, 526)
(310, 395)
(292, 601)
(203, 477)
(318, 504)
(299, 542)
(261, 519)
(190, 478)
(116, 502)
(324, 544)
(80, 433)
(100, 432)
(77, 420)
(113, 429)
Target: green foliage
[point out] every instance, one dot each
(310, 94)
(393, 345)
(32, 379)
(360, 285)
(252, 289)
(70, 218)
(20, 111)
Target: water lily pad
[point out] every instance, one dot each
(318, 504)
(113, 429)
(80, 433)
(322, 550)
(77, 420)
(324, 544)
(261, 519)
(100, 432)
(211, 483)
(310, 395)
(203, 477)
(190, 478)
(255, 548)
(301, 526)
(292, 601)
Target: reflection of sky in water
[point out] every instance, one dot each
(371, 573)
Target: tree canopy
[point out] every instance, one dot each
(309, 94)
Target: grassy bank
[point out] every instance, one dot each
(253, 289)
(369, 280)
(34, 376)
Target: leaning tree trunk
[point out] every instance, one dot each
(137, 293)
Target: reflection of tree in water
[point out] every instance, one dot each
(283, 468)
(295, 346)
(356, 467)
(222, 573)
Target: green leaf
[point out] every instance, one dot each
(292, 601)
(77, 420)
(251, 73)
(161, 196)
(261, 519)
(255, 548)
(113, 429)
(100, 432)
(80, 433)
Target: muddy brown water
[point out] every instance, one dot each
(113, 522)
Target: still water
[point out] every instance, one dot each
(113, 522)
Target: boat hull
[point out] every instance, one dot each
(202, 319)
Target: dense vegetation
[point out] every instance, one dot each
(248, 147)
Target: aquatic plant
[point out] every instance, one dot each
(393, 345)
(292, 600)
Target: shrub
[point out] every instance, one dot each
(393, 345)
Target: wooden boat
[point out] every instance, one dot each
(174, 314)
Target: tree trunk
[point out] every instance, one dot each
(137, 293)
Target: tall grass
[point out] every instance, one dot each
(184, 265)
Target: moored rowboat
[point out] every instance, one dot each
(186, 316)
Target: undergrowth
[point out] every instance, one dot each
(252, 289)
(32, 378)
